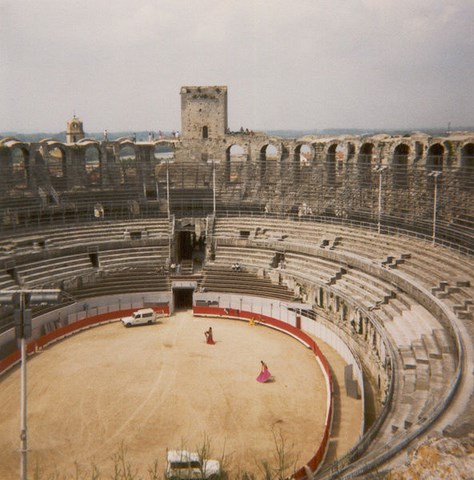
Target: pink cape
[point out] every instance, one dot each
(264, 376)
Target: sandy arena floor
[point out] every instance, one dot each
(161, 386)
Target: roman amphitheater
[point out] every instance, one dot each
(354, 250)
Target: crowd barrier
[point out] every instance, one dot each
(62, 332)
(316, 461)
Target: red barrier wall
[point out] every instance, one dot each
(70, 329)
(314, 463)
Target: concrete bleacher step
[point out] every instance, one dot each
(418, 401)
(408, 357)
(449, 363)
(422, 376)
(443, 340)
(431, 346)
(421, 355)
(337, 276)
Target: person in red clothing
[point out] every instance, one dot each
(209, 337)
(264, 375)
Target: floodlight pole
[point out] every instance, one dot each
(435, 174)
(20, 299)
(23, 392)
(214, 205)
(380, 169)
(168, 188)
(214, 188)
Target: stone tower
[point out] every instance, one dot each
(74, 130)
(203, 112)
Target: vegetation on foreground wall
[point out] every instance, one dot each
(280, 466)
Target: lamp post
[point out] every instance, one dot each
(168, 209)
(21, 300)
(380, 169)
(435, 174)
(213, 162)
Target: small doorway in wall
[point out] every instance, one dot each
(183, 298)
(185, 244)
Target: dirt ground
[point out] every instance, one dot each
(157, 387)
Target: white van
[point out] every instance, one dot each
(182, 465)
(140, 317)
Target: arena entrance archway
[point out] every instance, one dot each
(183, 295)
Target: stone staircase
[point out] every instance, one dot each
(393, 262)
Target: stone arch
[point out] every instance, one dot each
(56, 161)
(399, 165)
(235, 158)
(435, 157)
(164, 150)
(467, 157)
(365, 164)
(269, 152)
(303, 158)
(335, 153)
(466, 170)
(20, 171)
(93, 164)
(128, 162)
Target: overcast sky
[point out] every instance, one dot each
(301, 64)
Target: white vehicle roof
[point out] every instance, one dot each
(145, 310)
(182, 456)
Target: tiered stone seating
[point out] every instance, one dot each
(221, 278)
(83, 235)
(6, 281)
(427, 365)
(127, 257)
(311, 268)
(52, 271)
(250, 258)
(425, 349)
(125, 280)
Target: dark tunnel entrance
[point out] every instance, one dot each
(183, 298)
(186, 241)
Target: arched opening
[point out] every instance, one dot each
(235, 162)
(163, 151)
(303, 157)
(467, 157)
(434, 157)
(56, 163)
(365, 164)
(467, 166)
(163, 155)
(20, 174)
(205, 132)
(399, 165)
(334, 155)
(92, 159)
(128, 165)
(268, 153)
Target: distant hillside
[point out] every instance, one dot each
(143, 135)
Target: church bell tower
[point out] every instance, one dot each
(74, 130)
